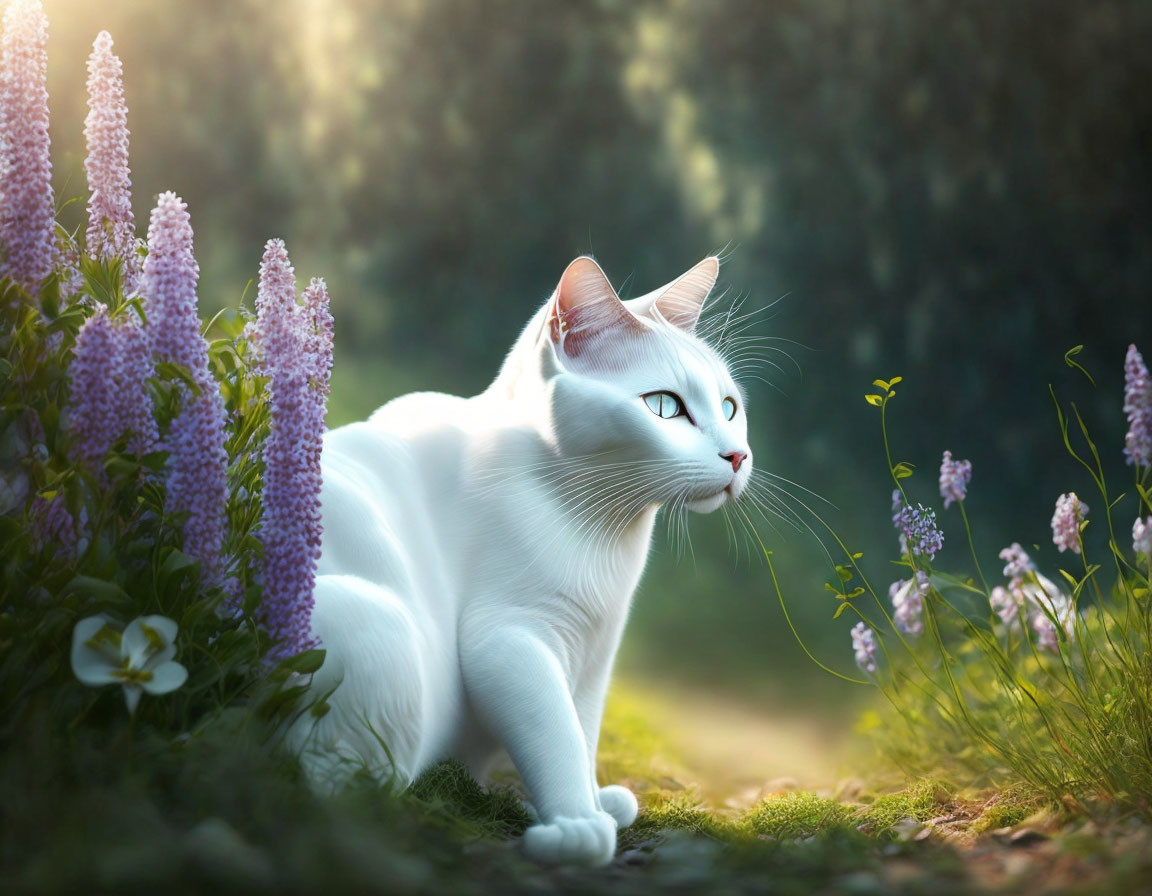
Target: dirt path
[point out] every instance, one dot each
(734, 751)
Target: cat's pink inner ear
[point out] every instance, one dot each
(681, 302)
(585, 306)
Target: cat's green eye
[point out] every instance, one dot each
(664, 404)
(729, 407)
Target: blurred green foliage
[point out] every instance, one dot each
(957, 192)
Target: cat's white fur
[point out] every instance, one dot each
(480, 554)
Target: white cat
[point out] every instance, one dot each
(480, 554)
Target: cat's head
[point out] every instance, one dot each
(635, 386)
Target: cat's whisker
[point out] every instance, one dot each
(767, 511)
(759, 473)
(774, 497)
(781, 492)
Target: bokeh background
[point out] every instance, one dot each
(956, 193)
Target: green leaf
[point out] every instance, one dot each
(168, 371)
(840, 609)
(99, 589)
(880, 384)
(902, 470)
(176, 568)
(874, 400)
(1072, 353)
(845, 573)
(895, 380)
(305, 663)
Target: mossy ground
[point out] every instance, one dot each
(222, 813)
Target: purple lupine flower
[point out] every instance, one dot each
(197, 459)
(94, 400)
(68, 271)
(294, 346)
(1017, 562)
(1138, 407)
(954, 478)
(1142, 538)
(133, 403)
(197, 468)
(27, 209)
(907, 598)
(320, 330)
(865, 646)
(111, 228)
(109, 372)
(1070, 513)
(918, 526)
(169, 289)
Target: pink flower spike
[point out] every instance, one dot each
(111, 228)
(907, 598)
(27, 212)
(1138, 407)
(1070, 513)
(1017, 563)
(865, 646)
(954, 478)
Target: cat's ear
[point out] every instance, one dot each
(586, 306)
(681, 301)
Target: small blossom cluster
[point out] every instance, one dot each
(109, 389)
(1070, 513)
(907, 598)
(919, 534)
(197, 460)
(111, 228)
(27, 206)
(1032, 596)
(294, 345)
(954, 478)
(1138, 407)
(866, 647)
(1017, 563)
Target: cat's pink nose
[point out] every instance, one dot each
(736, 458)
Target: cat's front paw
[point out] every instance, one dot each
(589, 841)
(620, 803)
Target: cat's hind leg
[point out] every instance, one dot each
(375, 682)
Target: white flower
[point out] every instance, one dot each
(865, 645)
(1142, 538)
(140, 659)
(908, 603)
